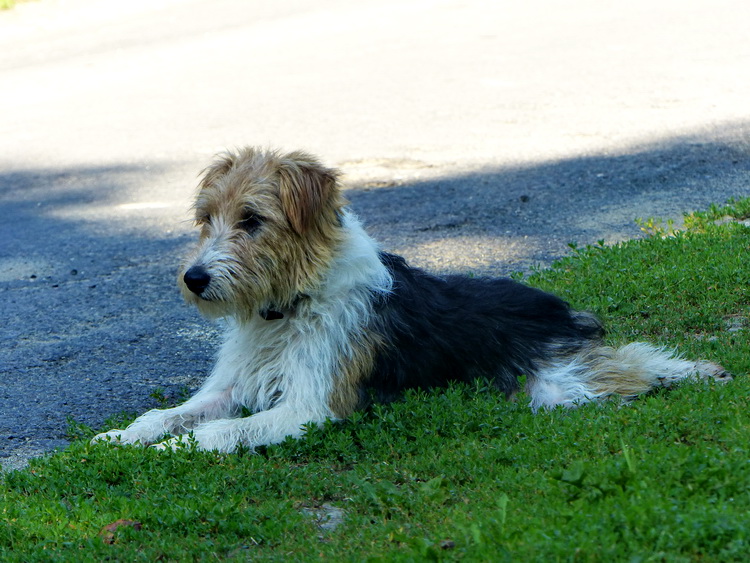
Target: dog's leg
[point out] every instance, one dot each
(261, 429)
(208, 404)
(602, 371)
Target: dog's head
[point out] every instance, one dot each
(269, 226)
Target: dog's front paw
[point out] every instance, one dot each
(117, 437)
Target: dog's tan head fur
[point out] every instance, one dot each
(269, 227)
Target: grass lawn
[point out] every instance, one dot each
(457, 474)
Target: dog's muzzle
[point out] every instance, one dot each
(197, 279)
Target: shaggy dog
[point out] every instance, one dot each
(319, 319)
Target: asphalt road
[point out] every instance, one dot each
(475, 136)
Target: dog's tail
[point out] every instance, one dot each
(601, 371)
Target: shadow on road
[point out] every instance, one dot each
(59, 218)
(501, 220)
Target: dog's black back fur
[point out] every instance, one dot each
(456, 328)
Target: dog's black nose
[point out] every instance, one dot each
(197, 279)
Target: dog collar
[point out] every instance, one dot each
(271, 315)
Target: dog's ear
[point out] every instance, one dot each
(216, 169)
(306, 187)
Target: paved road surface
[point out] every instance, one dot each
(475, 136)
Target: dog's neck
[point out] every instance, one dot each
(355, 264)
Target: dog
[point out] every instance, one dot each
(320, 321)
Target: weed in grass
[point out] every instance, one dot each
(654, 226)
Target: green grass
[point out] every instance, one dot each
(8, 4)
(457, 474)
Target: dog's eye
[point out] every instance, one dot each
(203, 219)
(250, 222)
